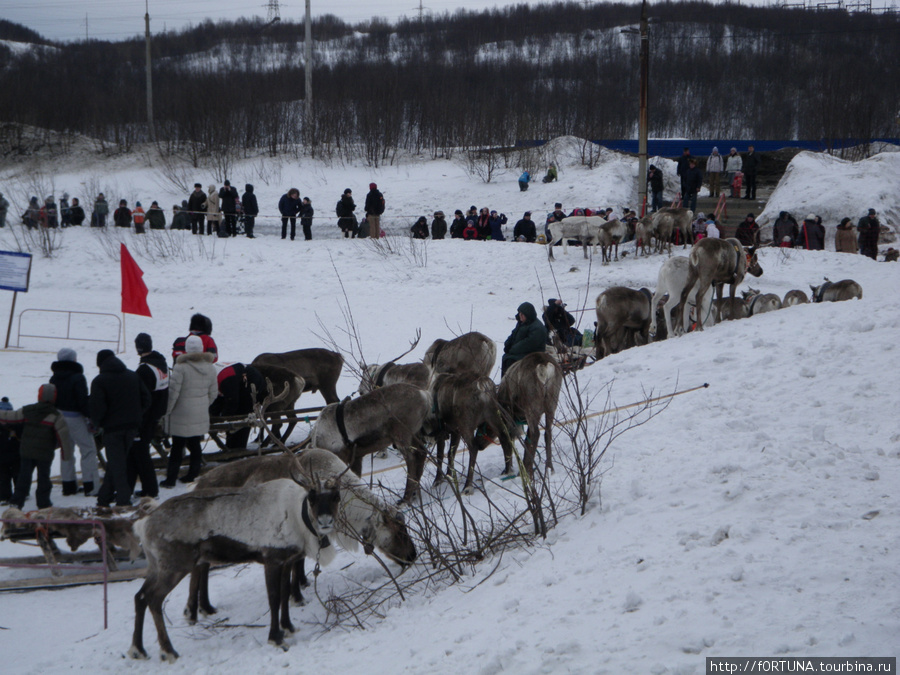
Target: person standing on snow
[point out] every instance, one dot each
(344, 211)
(289, 207)
(228, 197)
(197, 208)
(374, 208)
(154, 373)
(733, 164)
(251, 210)
(751, 166)
(306, 217)
(524, 179)
(122, 215)
(869, 228)
(714, 167)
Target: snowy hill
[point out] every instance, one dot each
(756, 517)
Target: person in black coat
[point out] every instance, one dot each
(154, 373)
(751, 167)
(458, 225)
(869, 228)
(72, 401)
(525, 229)
(118, 401)
(374, 208)
(655, 181)
(76, 212)
(812, 234)
(748, 231)
(306, 217)
(420, 228)
(693, 181)
(197, 208)
(438, 226)
(228, 201)
(681, 168)
(558, 320)
(344, 211)
(527, 337)
(251, 210)
(289, 207)
(236, 398)
(9, 456)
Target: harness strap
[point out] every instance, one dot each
(819, 294)
(434, 357)
(324, 542)
(339, 420)
(753, 302)
(379, 380)
(737, 261)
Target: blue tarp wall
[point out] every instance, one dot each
(699, 148)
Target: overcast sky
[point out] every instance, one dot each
(118, 19)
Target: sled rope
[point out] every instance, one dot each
(705, 385)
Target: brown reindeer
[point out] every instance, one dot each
(719, 262)
(362, 514)
(730, 309)
(390, 415)
(466, 407)
(612, 233)
(623, 319)
(319, 368)
(284, 404)
(760, 303)
(669, 220)
(471, 352)
(795, 297)
(836, 291)
(643, 233)
(528, 391)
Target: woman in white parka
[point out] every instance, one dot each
(192, 388)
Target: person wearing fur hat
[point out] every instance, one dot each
(374, 207)
(438, 226)
(193, 387)
(845, 237)
(154, 373)
(201, 326)
(118, 401)
(72, 401)
(42, 428)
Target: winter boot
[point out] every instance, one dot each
(89, 489)
(69, 487)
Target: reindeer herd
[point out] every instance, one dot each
(681, 303)
(280, 510)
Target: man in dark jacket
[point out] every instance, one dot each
(558, 320)
(528, 336)
(289, 207)
(76, 212)
(156, 217)
(42, 428)
(236, 398)
(525, 229)
(812, 234)
(785, 230)
(344, 211)
(251, 210)
(228, 201)
(154, 373)
(748, 231)
(306, 218)
(682, 167)
(438, 226)
(869, 228)
(751, 167)
(374, 208)
(197, 208)
(118, 402)
(693, 181)
(655, 181)
(72, 402)
(9, 457)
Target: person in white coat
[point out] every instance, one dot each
(714, 167)
(192, 388)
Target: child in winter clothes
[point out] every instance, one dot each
(43, 428)
(122, 215)
(470, 231)
(736, 183)
(9, 458)
(138, 216)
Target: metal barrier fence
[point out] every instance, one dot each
(68, 335)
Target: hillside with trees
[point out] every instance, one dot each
(467, 80)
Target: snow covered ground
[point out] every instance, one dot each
(756, 517)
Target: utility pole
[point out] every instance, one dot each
(644, 120)
(149, 71)
(307, 55)
(85, 27)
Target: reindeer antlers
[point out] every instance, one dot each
(412, 345)
(260, 409)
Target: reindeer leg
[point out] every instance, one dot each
(451, 454)
(155, 595)
(469, 487)
(414, 455)
(298, 580)
(439, 460)
(137, 651)
(285, 595)
(203, 596)
(548, 442)
(273, 590)
(190, 609)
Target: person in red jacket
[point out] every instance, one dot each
(201, 326)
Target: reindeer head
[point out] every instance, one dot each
(386, 530)
(753, 266)
(323, 498)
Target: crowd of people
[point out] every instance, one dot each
(121, 410)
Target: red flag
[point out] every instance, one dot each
(134, 290)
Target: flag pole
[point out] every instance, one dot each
(12, 312)
(123, 336)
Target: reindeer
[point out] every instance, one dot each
(319, 368)
(760, 303)
(730, 309)
(719, 262)
(585, 229)
(466, 406)
(362, 515)
(794, 297)
(643, 233)
(836, 291)
(294, 385)
(611, 235)
(417, 374)
(623, 314)
(529, 391)
(668, 220)
(390, 415)
(670, 282)
(272, 523)
(470, 352)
